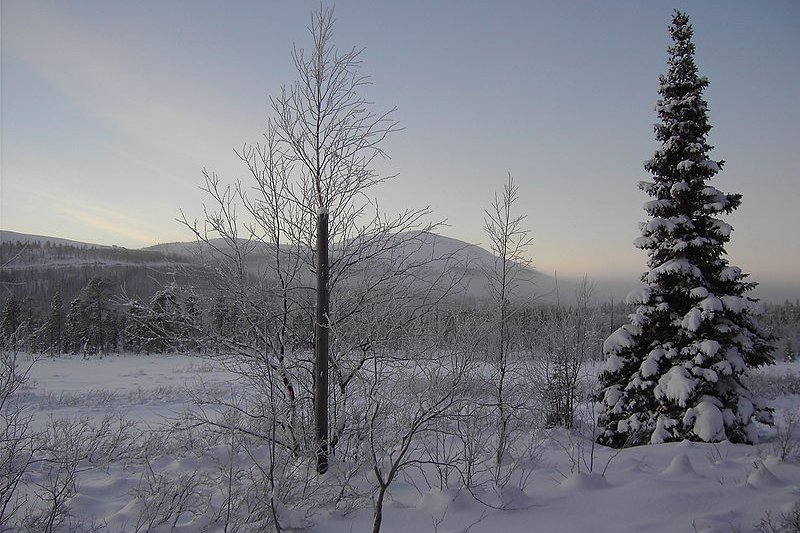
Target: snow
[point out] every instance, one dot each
(680, 466)
(709, 347)
(649, 366)
(676, 385)
(614, 363)
(737, 304)
(680, 246)
(762, 477)
(723, 228)
(679, 265)
(699, 292)
(691, 321)
(730, 273)
(620, 339)
(705, 373)
(707, 417)
(714, 206)
(646, 186)
(714, 195)
(657, 204)
(710, 304)
(657, 223)
(642, 242)
(710, 165)
(659, 488)
(638, 296)
(580, 481)
(661, 434)
(678, 188)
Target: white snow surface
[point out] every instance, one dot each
(658, 488)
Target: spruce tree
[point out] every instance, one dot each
(55, 324)
(75, 328)
(675, 370)
(10, 318)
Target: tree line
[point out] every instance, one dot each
(100, 320)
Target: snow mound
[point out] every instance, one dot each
(680, 466)
(584, 481)
(513, 497)
(762, 477)
(438, 501)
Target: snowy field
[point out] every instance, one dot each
(568, 487)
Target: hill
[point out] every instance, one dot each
(37, 265)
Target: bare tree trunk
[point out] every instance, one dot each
(378, 518)
(321, 344)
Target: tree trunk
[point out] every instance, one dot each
(376, 523)
(321, 345)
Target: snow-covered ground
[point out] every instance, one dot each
(143, 388)
(659, 488)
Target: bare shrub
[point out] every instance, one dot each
(788, 522)
(786, 444)
(164, 499)
(564, 341)
(18, 442)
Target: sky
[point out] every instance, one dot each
(109, 111)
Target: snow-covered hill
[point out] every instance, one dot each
(13, 236)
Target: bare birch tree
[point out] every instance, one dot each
(508, 241)
(311, 212)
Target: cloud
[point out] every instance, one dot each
(125, 85)
(86, 212)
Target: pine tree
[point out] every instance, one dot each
(95, 296)
(75, 329)
(11, 317)
(55, 324)
(675, 371)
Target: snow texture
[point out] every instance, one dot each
(679, 266)
(620, 339)
(730, 273)
(692, 320)
(676, 385)
(638, 296)
(680, 466)
(706, 420)
(659, 488)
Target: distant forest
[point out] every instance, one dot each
(33, 272)
(58, 298)
(62, 298)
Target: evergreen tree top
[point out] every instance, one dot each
(683, 72)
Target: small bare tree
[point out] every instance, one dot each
(508, 241)
(332, 135)
(565, 341)
(406, 401)
(18, 442)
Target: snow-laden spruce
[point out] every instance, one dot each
(675, 371)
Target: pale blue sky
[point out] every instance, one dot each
(110, 109)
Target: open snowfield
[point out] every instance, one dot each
(660, 488)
